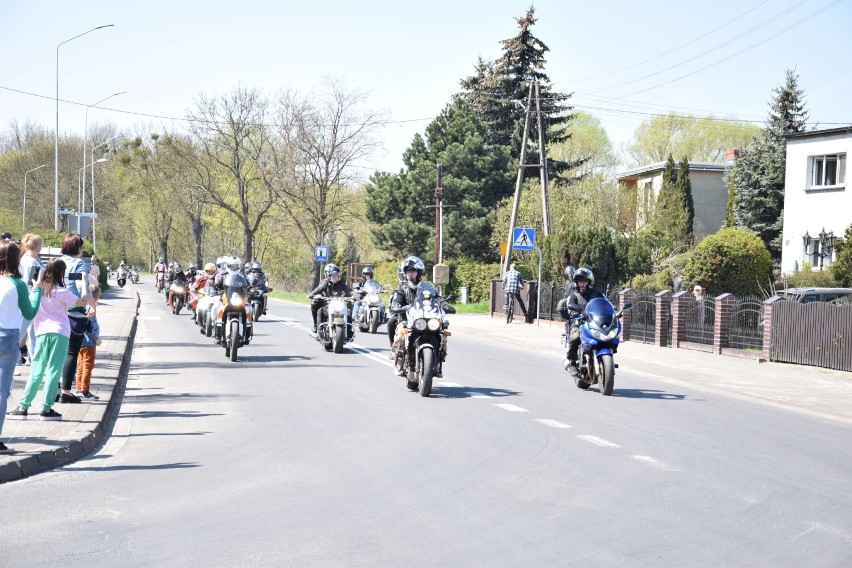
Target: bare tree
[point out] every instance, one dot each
(312, 164)
(229, 130)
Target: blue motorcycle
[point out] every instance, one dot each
(600, 331)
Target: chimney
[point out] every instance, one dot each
(732, 155)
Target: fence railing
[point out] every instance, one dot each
(816, 333)
(746, 330)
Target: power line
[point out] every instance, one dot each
(702, 54)
(647, 105)
(752, 46)
(690, 42)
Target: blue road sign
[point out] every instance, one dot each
(321, 253)
(523, 238)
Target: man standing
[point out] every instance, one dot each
(512, 284)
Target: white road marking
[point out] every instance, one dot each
(551, 423)
(511, 407)
(598, 441)
(654, 462)
(373, 355)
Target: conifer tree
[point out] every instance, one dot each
(670, 214)
(684, 187)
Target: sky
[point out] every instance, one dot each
(622, 60)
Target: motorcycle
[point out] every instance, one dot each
(234, 322)
(122, 276)
(258, 299)
(334, 328)
(160, 282)
(371, 313)
(179, 292)
(600, 331)
(421, 345)
(134, 276)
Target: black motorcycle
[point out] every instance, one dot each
(234, 322)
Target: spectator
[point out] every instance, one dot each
(30, 261)
(16, 304)
(53, 328)
(698, 292)
(6, 237)
(512, 285)
(72, 250)
(91, 341)
(95, 269)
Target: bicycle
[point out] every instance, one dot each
(510, 308)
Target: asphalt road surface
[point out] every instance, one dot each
(295, 456)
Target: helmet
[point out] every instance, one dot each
(162, 259)
(175, 265)
(584, 273)
(569, 272)
(367, 270)
(412, 263)
(332, 269)
(192, 267)
(247, 266)
(234, 264)
(210, 269)
(256, 267)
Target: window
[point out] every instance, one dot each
(828, 171)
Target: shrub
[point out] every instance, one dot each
(476, 276)
(842, 268)
(806, 277)
(731, 260)
(652, 282)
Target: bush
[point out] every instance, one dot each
(731, 260)
(653, 282)
(593, 248)
(807, 278)
(476, 276)
(842, 268)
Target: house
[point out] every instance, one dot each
(709, 193)
(817, 203)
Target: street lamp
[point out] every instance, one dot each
(24, 214)
(806, 241)
(85, 141)
(104, 143)
(56, 148)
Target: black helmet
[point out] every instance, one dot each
(586, 274)
(332, 269)
(412, 263)
(367, 270)
(569, 272)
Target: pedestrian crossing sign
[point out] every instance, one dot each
(523, 238)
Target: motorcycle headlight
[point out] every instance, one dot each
(180, 289)
(373, 299)
(434, 324)
(236, 300)
(337, 306)
(420, 324)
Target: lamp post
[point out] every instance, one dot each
(85, 141)
(104, 143)
(80, 178)
(24, 207)
(806, 241)
(56, 147)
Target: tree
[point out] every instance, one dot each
(842, 267)
(701, 139)
(496, 88)
(684, 190)
(758, 174)
(671, 214)
(731, 260)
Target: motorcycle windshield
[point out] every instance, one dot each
(601, 312)
(371, 287)
(427, 303)
(235, 283)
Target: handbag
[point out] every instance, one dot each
(78, 325)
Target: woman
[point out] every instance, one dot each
(16, 305)
(30, 260)
(72, 250)
(53, 329)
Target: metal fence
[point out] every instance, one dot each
(746, 328)
(643, 317)
(700, 322)
(812, 334)
(551, 293)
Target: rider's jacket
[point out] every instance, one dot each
(199, 282)
(256, 280)
(179, 276)
(575, 297)
(402, 297)
(329, 288)
(161, 267)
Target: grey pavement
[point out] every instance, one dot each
(41, 445)
(814, 390)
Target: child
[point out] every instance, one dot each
(52, 331)
(86, 358)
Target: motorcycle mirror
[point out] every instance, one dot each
(627, 305)
(451, 297)
(575, 307)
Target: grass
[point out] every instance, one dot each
(477, 308)
(298, 297)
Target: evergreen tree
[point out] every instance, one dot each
(758, 174)
(684, 189)
(496, 87)
(670, 213)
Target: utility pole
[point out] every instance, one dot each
(542, 163)
(439, 219)
(520, 180)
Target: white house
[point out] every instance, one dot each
(709, 193)
(817, 203)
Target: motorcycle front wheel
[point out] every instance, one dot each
(606, 379)
(427, 371)
(178, 305)
(374, 322)
(235, 339)
(256, 311)
(338, 339)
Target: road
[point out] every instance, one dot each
(299, 457)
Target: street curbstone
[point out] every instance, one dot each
(10, 471)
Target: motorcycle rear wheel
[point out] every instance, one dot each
(607, 374)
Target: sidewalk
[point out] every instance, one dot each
(40, 445)
(814, 390)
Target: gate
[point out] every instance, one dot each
(816, 333)
(746, 331)
(643, 317)
(700, 321)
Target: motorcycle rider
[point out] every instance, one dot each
(159, 269)
(366, 274)
(199, 283)
(331, 286)
(191, 273)
(585, 291)
(569, 281)
(178, 278)
(410, 273)
(257, 279)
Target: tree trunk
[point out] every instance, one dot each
(197, 236)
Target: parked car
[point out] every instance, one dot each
(807, 295)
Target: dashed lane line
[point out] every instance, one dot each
(552, 423)
(654, 462)
(511, 407)
(598, 441)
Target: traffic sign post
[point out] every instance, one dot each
(523, 238)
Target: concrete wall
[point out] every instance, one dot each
(812, 210)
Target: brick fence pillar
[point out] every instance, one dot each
(768, 308)
(625, 295)
(680, 311)
(724, 305)
(663, 301)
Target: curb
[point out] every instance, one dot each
(88, 432)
